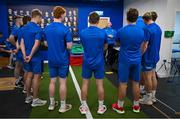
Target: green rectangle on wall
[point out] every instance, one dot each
(168, 34)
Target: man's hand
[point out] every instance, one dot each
(10, 51)
(15, 51)
(28, 59)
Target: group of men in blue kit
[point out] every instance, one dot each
(139, 52)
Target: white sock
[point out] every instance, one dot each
(101, 102)
(120, 103)
(149, 95)
(136, 103)
(83, 102)
(52, 100)
(141, 87)
(63, 104)
(153, 93)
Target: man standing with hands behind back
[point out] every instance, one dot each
(30, 42)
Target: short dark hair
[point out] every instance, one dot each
(147, 16)
(132, 15)
(17, 17)
(154, 15)
(93, 18)
(36, 12)
(58, 11)
(26, 19)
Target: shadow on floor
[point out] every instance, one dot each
(169, 93)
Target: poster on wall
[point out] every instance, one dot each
(71, 19)
(102, 22)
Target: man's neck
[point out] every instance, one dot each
(18, 25)
(150, 22)
(93, 25)
(33, 20)
(133, 23)
(58, 20)
(129, 23)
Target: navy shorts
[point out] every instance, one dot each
(98, 71)
(148, 67)
(59, 71)
(19, 57)
(36, 67)
(129, 71)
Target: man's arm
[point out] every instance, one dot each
(144, 46)
(35, 48)
(105, 46)
(3, 50)
(17, 48)
(11, 39)
(69, 45)
(23, 48)
(45, 43)
(68, 39)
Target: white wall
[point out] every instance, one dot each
(166, 10)
(177, 23)
(176, 38)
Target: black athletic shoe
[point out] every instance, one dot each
(19, 85)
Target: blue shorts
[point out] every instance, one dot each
(97, 71)
(148, 67)
(59, 71)
(36, 67)
(19, 57)
(129, 71)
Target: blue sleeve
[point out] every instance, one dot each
(118, 36)
(68, 36)
(146, 34)
(80, 36)
(106, 37)
(14, 32)
(19, 36)
(44, 35)
(115, 35)
(39, 35)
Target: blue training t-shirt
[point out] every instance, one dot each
(57, 35)
(93, 40)
(30, 33)
(154, 32)
(130, 38)
(140, 22)
(110, 31)
(14, 32)
(20, 35)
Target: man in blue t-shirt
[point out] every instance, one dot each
(151, 57)
(110, 52)
(59, 41)
(140, 23)
(131, 37)
(18, 72)
(93, 40)
(19, 57)
(30, 42)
